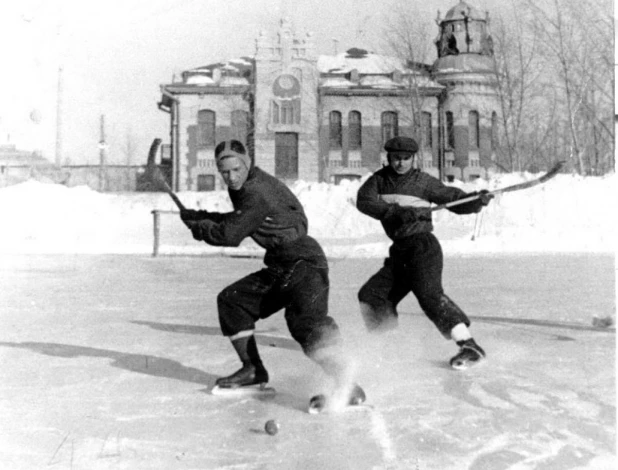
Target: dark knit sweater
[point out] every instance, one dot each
(267, 211)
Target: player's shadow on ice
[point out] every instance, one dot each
(260, 336)
(140, 363)
(544, 324)
(144, 364)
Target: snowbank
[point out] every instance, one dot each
(566, 214)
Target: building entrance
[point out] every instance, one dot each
(286, 155)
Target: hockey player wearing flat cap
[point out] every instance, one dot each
(400, 196)
(295, 276)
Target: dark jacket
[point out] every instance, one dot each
(267, 211)
(386, 192)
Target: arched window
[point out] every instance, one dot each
(240, 125)
(206, 129)
(298, 73)
(427, 138)
(390, 125)
(450, 130)
(355, 129)
(335, 130)
(473, 129)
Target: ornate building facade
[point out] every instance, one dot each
(326, 118)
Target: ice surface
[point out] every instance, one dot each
(108, 354)
(107, 361)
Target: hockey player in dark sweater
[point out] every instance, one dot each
(295, 276)
(400, 196)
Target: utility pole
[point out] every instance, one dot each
(102, 157)
(59, 112)
(60, 85)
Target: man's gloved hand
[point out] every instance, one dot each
(187, 215)
(485, 196)
(197, 228)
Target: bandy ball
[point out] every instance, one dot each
(271, 427)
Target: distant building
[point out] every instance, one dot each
(325, 118)
(19, 165)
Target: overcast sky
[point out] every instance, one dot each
(116, 53)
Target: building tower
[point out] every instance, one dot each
(286, 83)
(465, 66)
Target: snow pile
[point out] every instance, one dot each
(566, 214)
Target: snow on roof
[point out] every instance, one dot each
(233, 81)
(241, 67)
(378, 81)
(336, 82)
(243, 61)
(199, 80)
(364, 62)
(374, 71)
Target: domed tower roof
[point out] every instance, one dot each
(464, 43)
(463, 10)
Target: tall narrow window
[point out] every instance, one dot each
(206, 128)
(426, 129)
(494, 131)
(473, 129)
(287, 113)
(390, 125)
(276, 111)
(450, 130)
(240, 125)
(355, 130)
(335, 130)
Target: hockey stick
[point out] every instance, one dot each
(158, 179)
(155, 176)
(516, 187)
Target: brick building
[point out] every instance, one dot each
(325, 118)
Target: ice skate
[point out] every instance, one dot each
(248, 375)
(469, 354)
(249, 380)
(320, 403)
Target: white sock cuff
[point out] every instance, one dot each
(242, 334)
(460, 332)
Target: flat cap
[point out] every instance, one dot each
(401, 144)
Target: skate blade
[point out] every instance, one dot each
(315, 410)
(249, 390)
(465, 365)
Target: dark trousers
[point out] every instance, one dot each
(300, 288)
(416, 267)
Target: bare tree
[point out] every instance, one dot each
(576, 45)
(406, 38)
(518, 73)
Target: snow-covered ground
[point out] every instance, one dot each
(566, 214)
